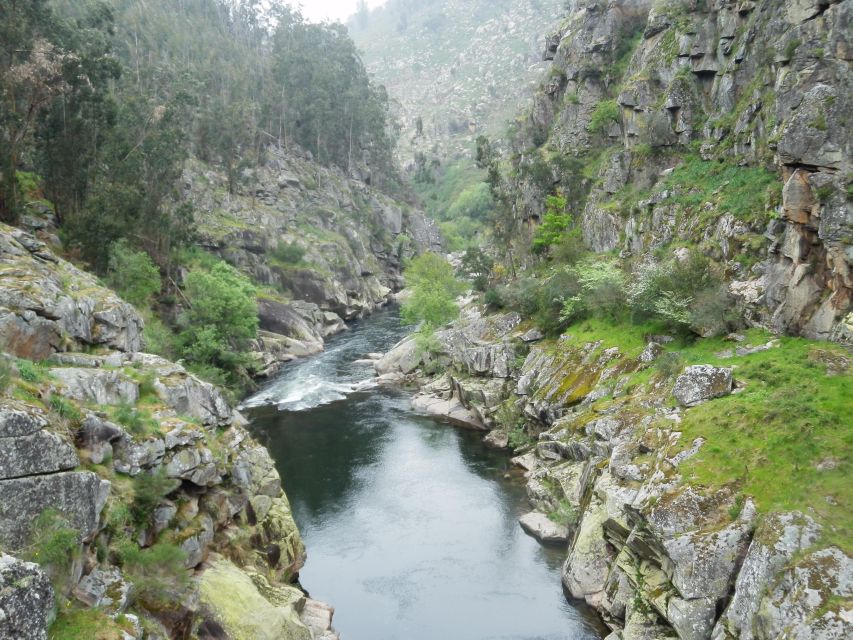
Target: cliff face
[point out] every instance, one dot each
(678, 473)
(130, 481)
(720, 125)
(350, 242)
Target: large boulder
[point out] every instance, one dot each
(543, 528)
(98, 386)
(26, 600)
(78, 496)
(702, 382)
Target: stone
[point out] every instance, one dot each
(98, 386)
(194, 464)
(19, 420)
(702, 382)
(38, 453)
(543, 528)
(532, 335)
(453, 411)
(230, 598)
(187, 395)
(26, 600)
(317, 616)
(651, 352)
(104, 589)
(78, 496)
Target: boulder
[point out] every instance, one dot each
(702, 382)
(98, 386)
(453, 411)
(543, 528)
(78, 496)
(26, 600)
(37, 453)
(104, 589)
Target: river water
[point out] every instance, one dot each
(411, 526)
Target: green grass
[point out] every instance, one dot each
(769, 438)
(742, 191)
(75, 624)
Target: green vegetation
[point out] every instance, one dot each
(132, 274)
(745, 192)
(73, 623)
(222, 317)
(149, 489)
(434, 290)
(605, 113)
(288, 253)
(555, 223)
(565, 514)
(156, 573)
(785, 439)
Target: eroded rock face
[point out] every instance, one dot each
(45, 300)
(26, 600)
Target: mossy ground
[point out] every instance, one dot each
(73, 623)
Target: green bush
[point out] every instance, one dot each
(5, 374)
(132, 274)
(64, 408)
(156, 573)
(221, 320)
(670, 364)
(30, 371)
(434, 290)
(555, 222)
(149, 489)
(54, 542)
(288, 252)
(477, 265)
(605, 113)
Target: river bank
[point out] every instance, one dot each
(411, 528)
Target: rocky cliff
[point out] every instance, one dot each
(722, 125)
(132, 483)
(350, 241)
(696, 499)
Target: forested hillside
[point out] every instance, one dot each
(112, 109)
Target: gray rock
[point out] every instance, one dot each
(132, 458)
(543, 528)
(651, 352)
(78, 496)
(453, 411)
(104, 589)
(533, 335)
(702, 382)
(186, 395)
(18, 421)
(98, 386)
(37, 453)
(195, 465)
(26, 600)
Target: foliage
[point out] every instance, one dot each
(288, 252)
(5, 374)
(132, 274)
(149, 489)
(555, 222)
(670, 364)
(221, 319)
(155, 572)
(434, 290)
(605, 113)
(30, 371)
(137, 421)
(477, 265)
(681, 293)
(64, 408)
(54, 542)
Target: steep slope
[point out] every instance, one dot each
(673, 123)
(130, 481)
(461, 67)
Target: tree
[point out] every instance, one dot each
(132, 274)
(434, 290)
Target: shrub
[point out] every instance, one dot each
(55, 542)
(149, 489)
(434, 290)
(554, 224)
(5, 374)
(288, 252)
(30, 371)
(64, 408)
(570, 248)
(670, 364)
(223, 317)
(493, 298)
(477, 265)
(155, 572)
(132, 274)
(605, 113)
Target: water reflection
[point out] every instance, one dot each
(410, 526)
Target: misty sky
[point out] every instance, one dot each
(317, 10)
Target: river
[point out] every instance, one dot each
(411, 526)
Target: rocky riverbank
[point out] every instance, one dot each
(606, 433)
(133, 499)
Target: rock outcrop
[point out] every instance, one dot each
(657, 97)
(89, 437)
(656, 553)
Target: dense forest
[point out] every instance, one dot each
(103, 102)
